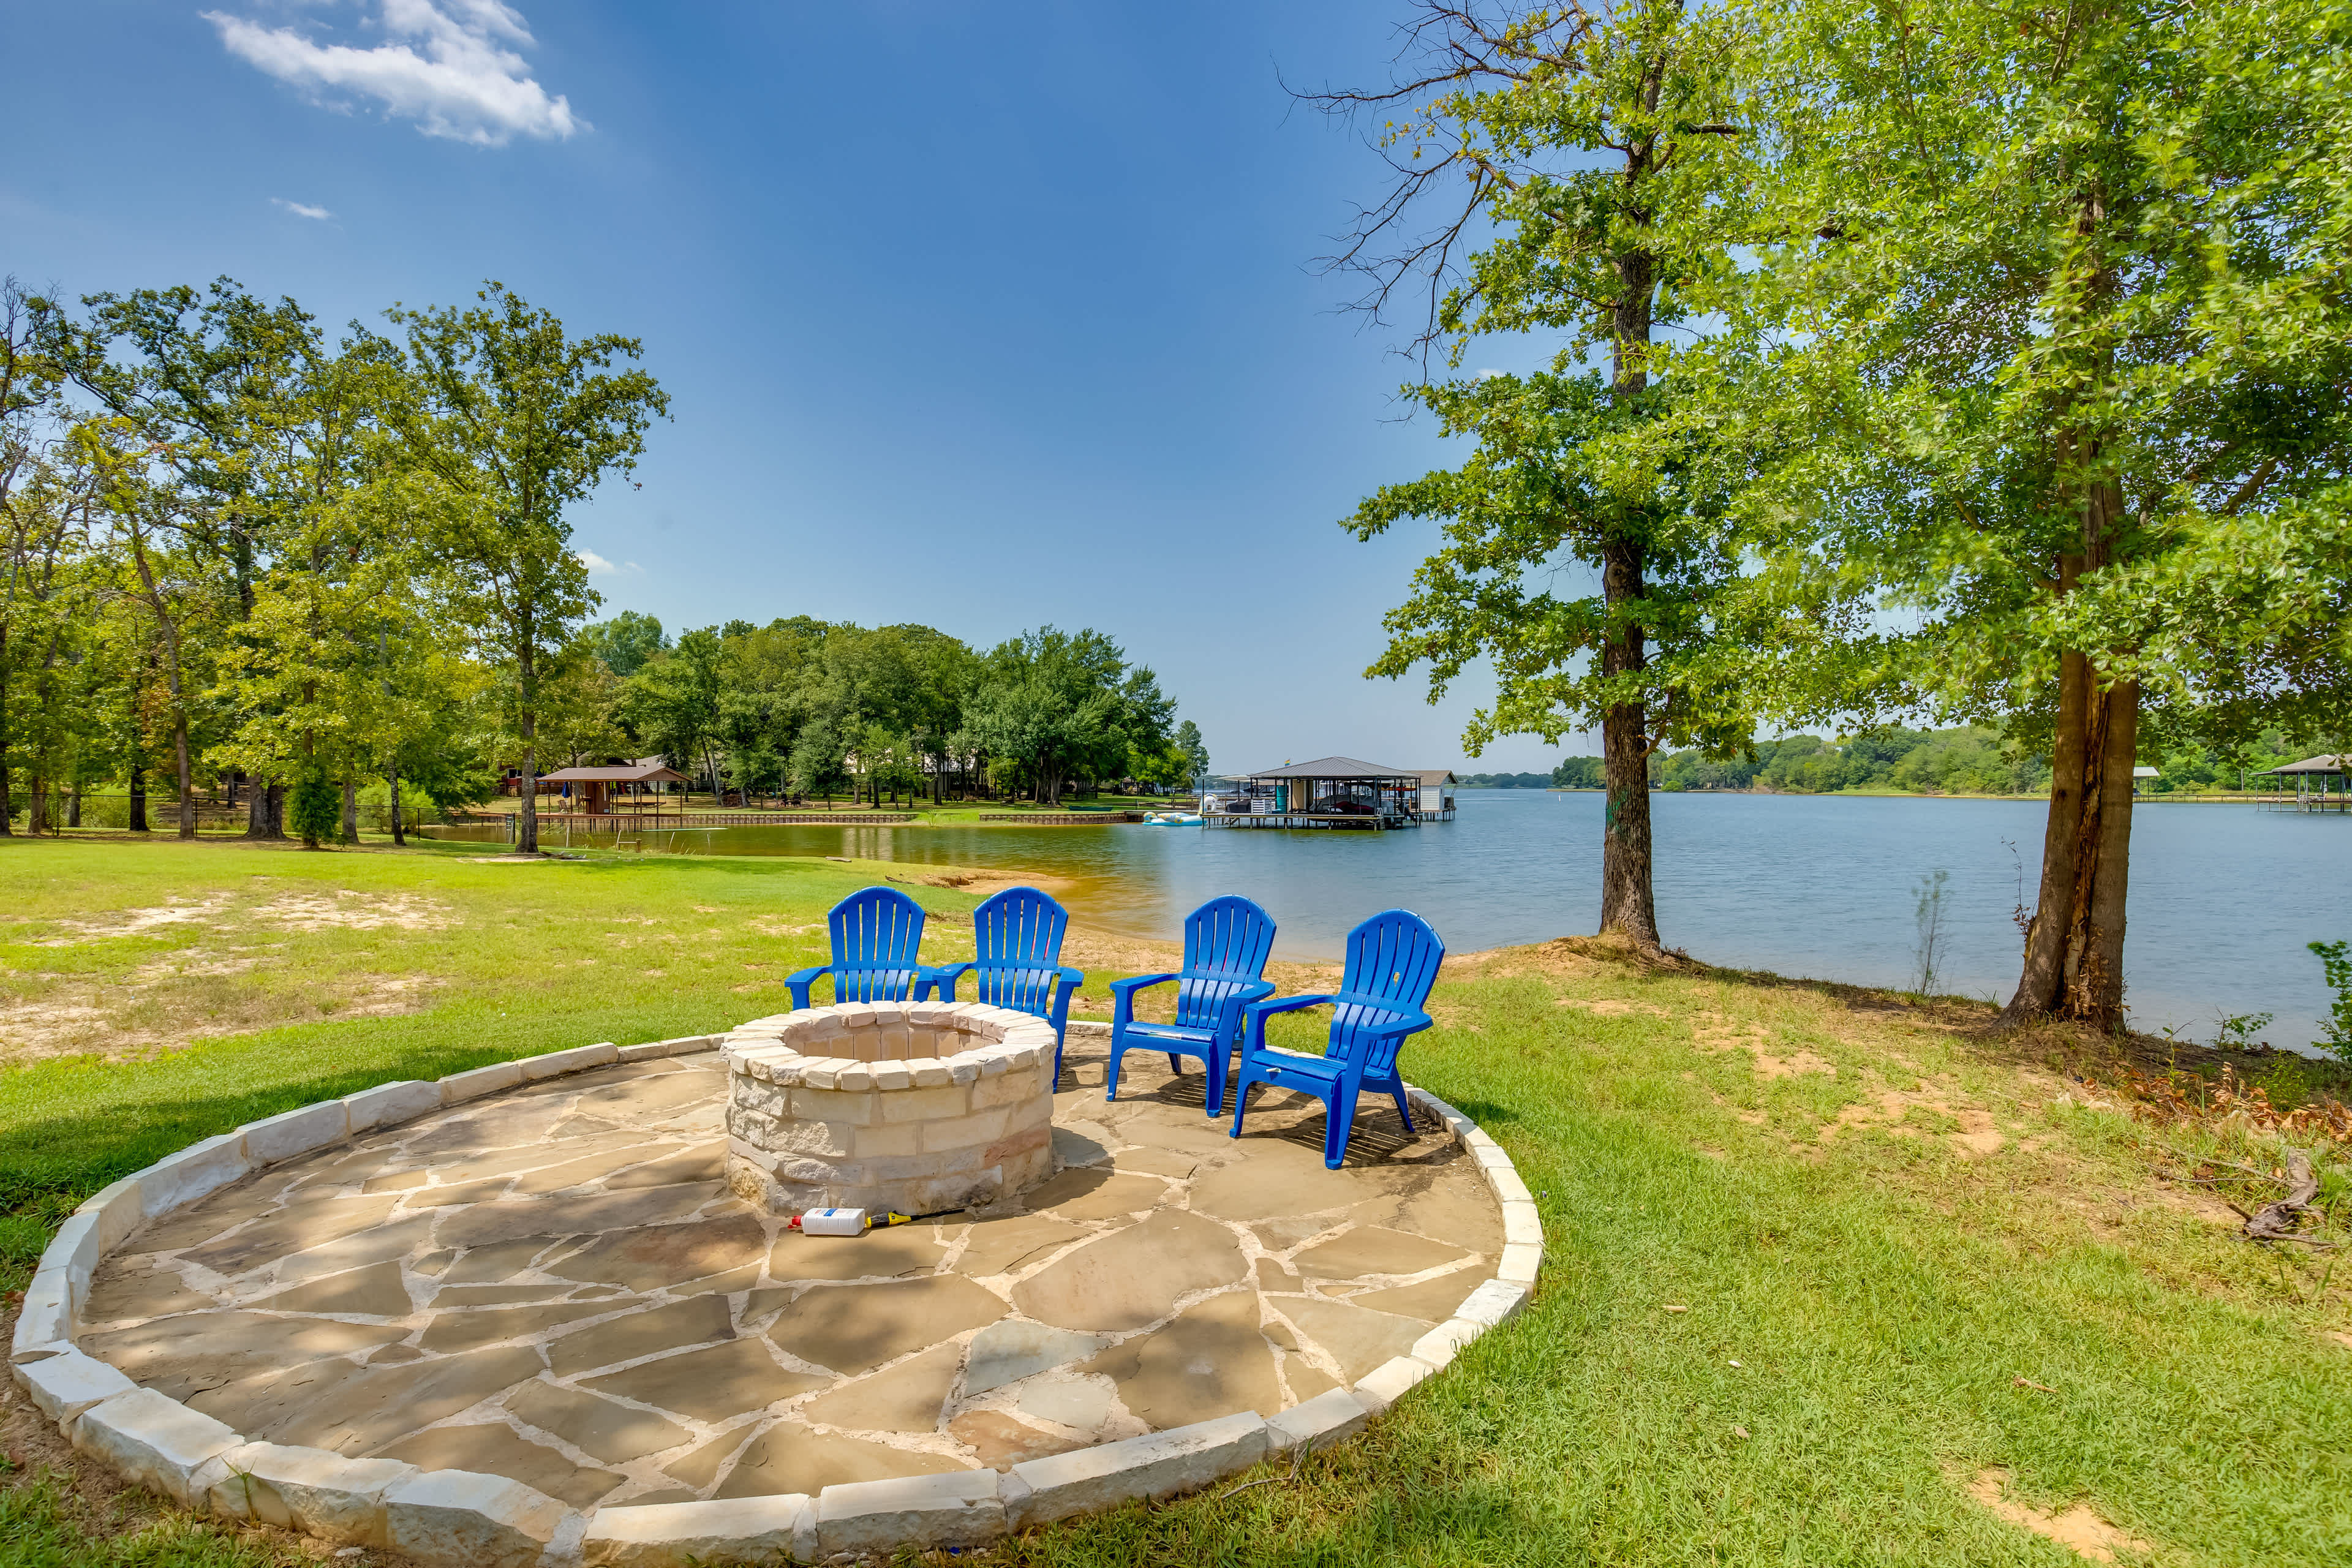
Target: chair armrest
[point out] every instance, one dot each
(1133, 982)
(1410, 1023)
(799, 984)
(1229, 1011)
(942, 979)
(1255, 1014)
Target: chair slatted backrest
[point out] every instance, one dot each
(1226, 942)
(877, 934)
(1017, 949)
(1393, 961)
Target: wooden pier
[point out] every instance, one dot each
(1342, 794)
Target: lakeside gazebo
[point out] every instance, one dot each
(2313, 777)
(1331, 792)
(598, 786)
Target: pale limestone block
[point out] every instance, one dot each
(1521, 1261)
(932, 1075)
(194, 1171)
(859, 1079)
(914, 1167)
(961, 1508)
(1496, 1302)
(924, 1104)
(1491, 1159)
(877, 1143)
(786, 1073)
(982, 1126)
(823, 1103)
(1037, 1111)
(823, 1073)
(390, 1104)
(44, 1320)
(929, 1014)
(818, 1139)
(75, 1249)
(460, 1086)
(856, 1014)
(579, 1058)
(310, 1489)
(1157, 1465)
(66, 1384)
(1507, 1186)
(992, 1063)
(1522, 1224)
(894, 1074)
(1330, 1418)
(1010, 1089)
(292, 1133)
(1386, 1384)
(151, 1441)
(1440, 1345)
(648, 1051)
(691, 1044)
(765, 1098)
(750, 1529)
(964, 1068)
(118, 1212)
(457, 1518)
(1086, 1029)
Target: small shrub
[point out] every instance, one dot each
(2336, 957)
(314, 809)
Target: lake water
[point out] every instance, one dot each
(2223, 898)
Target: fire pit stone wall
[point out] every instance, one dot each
(920, 1107)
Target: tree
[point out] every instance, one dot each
(624, 642)
(516, 421)
(1195, 750)
(38, 500)
(2052, 353)
(1599, 146)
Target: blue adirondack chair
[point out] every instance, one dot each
(1393, 961)
(876, 932)
(1225, 944)
(1017, 935)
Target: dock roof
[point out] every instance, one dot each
(639, 773)
(2341, 762)
(1336, 768)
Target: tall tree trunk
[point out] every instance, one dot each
(7, 801)
(183, 772)
(2074, 944)
(526, 830)
(139, 800)
(73, 806)
(37, 814)
(392, 791)
(273, 811)
(1628, 903)
(351, 810)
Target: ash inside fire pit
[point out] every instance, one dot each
(915, 1106)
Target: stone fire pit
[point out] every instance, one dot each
(921, 1107)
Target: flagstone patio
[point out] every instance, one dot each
(553, 1285)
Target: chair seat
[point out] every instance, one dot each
(1183, 1034)
(1290, 1064)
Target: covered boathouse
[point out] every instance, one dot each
(1333, 792)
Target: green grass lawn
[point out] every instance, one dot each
(1908, 1265)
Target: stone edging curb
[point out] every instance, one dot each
(459, 1519)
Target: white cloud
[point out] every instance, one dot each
(302, 209)
(597, 565)
(444, 64)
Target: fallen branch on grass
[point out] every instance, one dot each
(2276, 1220)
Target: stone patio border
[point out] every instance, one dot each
(459, 1519)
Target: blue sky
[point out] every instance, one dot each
(979, 316)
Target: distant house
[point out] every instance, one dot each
(1434, 800)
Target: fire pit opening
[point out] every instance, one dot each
(920, 1107)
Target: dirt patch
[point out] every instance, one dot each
(357, 911)
(2077, 1529)
(131, 922)
(1717, 1034)
(1889, 1110)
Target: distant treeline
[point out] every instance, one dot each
(1967, 760)
(1507, 781)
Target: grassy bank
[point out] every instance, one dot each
(1940, 1299)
